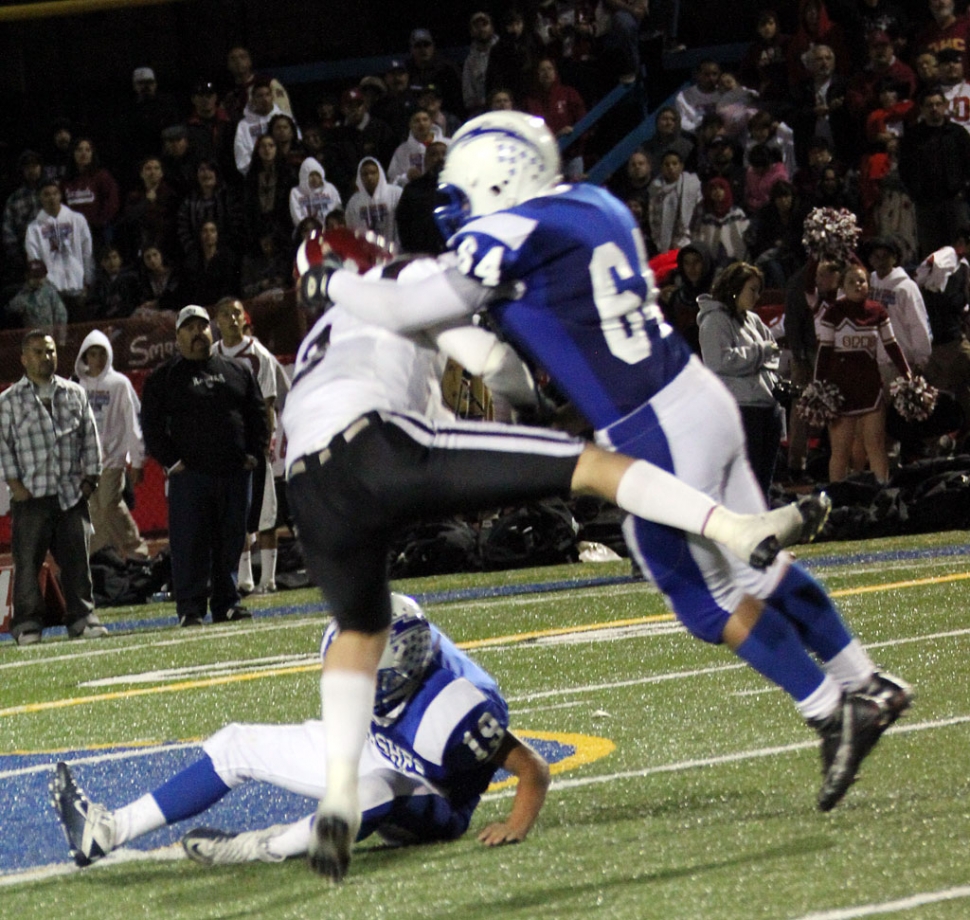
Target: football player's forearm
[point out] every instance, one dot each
(532, 772)
(400, 306)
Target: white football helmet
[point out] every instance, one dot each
(409, 653)
(494, 162)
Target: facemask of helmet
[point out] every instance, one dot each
(494, 162)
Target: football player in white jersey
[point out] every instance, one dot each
(439, 731)
(370, 450)
(230, 316)
(561, 271)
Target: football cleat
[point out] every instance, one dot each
(759, 538)
(330, 845)
(893, 692)
(89, 828)
(848, 736)
(211, 847)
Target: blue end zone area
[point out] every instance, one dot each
(31, 833)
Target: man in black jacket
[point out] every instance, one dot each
(934, 164)
(204, 421)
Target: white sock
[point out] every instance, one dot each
(655, 495)
(348, 704)
(267, 559)
(851, 668)
(139, 817)
(245, 575)
(294, 841)
(821, 702)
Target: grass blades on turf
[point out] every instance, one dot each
(690, 793)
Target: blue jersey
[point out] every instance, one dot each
(585, 308)
(451, 728)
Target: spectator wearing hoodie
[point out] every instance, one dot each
(313, 195)
(890, 285)
(720, 223)
(374, 205)
(61, 239)
(407, 163)
(115, 406)
(738, 347)
(255, 122)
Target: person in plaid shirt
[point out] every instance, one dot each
(50, 457)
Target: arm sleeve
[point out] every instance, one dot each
(407, 306)
(9, 467)
(482, 354)
(91, 443)
(158, 443)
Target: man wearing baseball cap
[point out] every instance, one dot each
(204, 421)
(426, 66)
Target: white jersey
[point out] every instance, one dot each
(256, 356)
(958, 97)
(346, 368)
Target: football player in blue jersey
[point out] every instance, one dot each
(562, 273)
(440, 731)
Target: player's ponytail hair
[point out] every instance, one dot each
(731, 282)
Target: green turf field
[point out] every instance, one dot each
(697, 800)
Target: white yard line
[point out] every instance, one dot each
(913, 902)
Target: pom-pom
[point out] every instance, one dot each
(820, 403)
(913, 398)
(831, 232)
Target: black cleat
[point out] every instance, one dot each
(89, 828)
(815, 510)
(848, 736)
(893, 692)
(329, 852)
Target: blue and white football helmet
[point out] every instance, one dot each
(494, 162)
(409, 653)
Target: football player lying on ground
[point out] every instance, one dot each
(371, 450)
(561, 271)
(438, 734)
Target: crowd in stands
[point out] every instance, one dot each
(849, 104)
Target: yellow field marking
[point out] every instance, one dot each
(913, 583)
(29, 708)
(588, 748)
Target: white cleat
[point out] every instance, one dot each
(211, 847)
(759, 538)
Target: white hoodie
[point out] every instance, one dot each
(115, 405)
(901, 296)
(411, 153)
(374, 212)
(312, 202)
(249, 130)
(63, 244)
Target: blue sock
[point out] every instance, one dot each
(193, 790)
(802, 601)
(774, 649)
